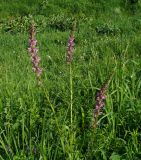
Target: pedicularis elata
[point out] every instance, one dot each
(35, 65)
(70, 47)
(33, 52)
(100, 100)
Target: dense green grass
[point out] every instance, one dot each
(35, 121)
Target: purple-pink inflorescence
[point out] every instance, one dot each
(33, 52)
(100, 100)
(70, 49)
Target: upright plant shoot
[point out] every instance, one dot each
(33, 51)
(100, 100)
(69, 58)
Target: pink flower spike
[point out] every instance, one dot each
(33, 52)
(100, 100)
(32, 42)
(70, 49)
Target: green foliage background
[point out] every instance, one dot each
(107, 37)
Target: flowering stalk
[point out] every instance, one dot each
(100, 100)
(33, 52)
(70, 48)
(38, 70)
(69, 58)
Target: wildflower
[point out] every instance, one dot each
(70, 48)
(33, 52)
(100, 100)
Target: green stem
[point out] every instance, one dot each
(50, 104)
(71, 94)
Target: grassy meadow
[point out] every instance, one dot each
(54, 120)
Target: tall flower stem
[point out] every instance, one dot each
(69, 58)
(33, 52)
(35, 65)
(71, 94)
(100, 100)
